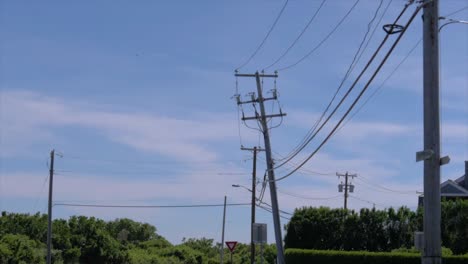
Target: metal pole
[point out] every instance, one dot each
(254, 184)
(271, 174)
(432, 214)
(346, 192)
(222, 234)
(49, 213)
(231, 257)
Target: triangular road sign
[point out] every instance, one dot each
(231, 245)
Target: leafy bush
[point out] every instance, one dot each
(303, 256)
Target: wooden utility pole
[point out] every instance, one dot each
(222, 234)
(254, 199)
(49, 212)
(432, 215)
(262, 118)
(347, 187)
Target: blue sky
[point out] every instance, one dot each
(138, 99)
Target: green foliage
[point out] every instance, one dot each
(83, 239)
(20, 249)
(373, 230)
(303, 256)
(130, 231)
(455, 225)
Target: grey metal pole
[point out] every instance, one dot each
(432, 215)
(49, 213)
(222, 234)
(254, 185)
(271, 174)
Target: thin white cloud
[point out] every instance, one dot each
(31, 117)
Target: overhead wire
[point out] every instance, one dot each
(298, 37)
(322, 41)
(378, 89)
(356, 58)
(270, 211)
(456, 11)
(367, 181)
(147, 206)
(307, 197)
(367, 201)
(40, 192)
(75, 172)
(266, 36)
(389, 52)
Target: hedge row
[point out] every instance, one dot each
(305, 256)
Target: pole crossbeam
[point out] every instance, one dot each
(256, 74)
(261, 117)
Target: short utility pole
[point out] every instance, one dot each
(254, 199)
(222, 234)
(262, 118)
(431, 154)
(49, 212)
(346, 186)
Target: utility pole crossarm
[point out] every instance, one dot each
(260, 117)
(253, 149)
(256, 74)
(256, 100)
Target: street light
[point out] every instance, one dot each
(252, 245)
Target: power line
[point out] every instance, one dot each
(381, 85)
(456, 11)
(365, 180)
(140, 162)
(73, 172)
(356, 58)
(360, 94)
(266, 36)
(346, 94)
(323, 40)
(298, 37)
(40, 193)
(147, 206)
(366, 201)
(307, 197)
(269, 210)
(284, 212)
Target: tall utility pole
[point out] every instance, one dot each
(254, 185)
(49, 212)
(431, 223)
(262, 118)
(222, 234)
(347, 187)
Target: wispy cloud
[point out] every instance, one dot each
(29, 117)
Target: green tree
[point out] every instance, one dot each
(21, 249)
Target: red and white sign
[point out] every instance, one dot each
(231, 245)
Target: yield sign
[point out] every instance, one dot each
(231, 245)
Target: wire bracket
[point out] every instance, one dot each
(393, 28)
(424, 155)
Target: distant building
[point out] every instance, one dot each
(450, 189)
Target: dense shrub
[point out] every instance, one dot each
(373, 230)
(305, 256)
